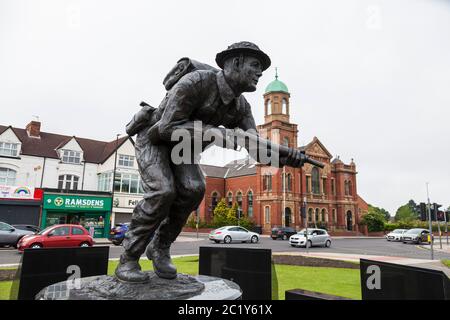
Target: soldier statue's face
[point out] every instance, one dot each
(250, 72)
(243, 73)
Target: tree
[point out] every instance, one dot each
(221, 213)
(406, 213)
(383, 212)
(374, 221)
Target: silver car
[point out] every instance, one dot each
(315, 237)
(10, 236)
(230, 234)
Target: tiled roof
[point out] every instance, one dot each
(241, 167)
(213, 171)
(94, 151)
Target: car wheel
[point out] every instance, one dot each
(227, 239)
(117, 243)
(217, 241)
(84, 245)
(274, 238)
(254, 239)
(36, 246)
(328, 244)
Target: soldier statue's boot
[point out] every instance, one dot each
(129, 270)
(159, 253)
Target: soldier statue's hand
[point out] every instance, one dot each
(295, 158)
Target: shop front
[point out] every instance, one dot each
(20, 205)
(92, 212)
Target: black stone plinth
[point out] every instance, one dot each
(184, 287)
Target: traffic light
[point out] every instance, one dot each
(434, 211)
(423, 211)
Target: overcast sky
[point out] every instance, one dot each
(370, 79)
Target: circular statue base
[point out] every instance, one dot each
(183, 287)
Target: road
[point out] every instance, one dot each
(186, 245)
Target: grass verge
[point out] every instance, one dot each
(336, 281)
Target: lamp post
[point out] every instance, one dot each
(431, 226)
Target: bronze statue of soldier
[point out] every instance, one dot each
(196, 92)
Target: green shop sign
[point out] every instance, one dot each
(72, 202)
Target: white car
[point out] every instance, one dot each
(230, 234)
(316, 237)
(396, 235)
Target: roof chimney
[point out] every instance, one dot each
(34, 129)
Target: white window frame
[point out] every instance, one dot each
(126, 161)
(71, 156)
(9, 149)
(128, 178)
(72, 179)
(7, 176)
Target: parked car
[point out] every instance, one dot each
(315, 237)
(230, 234)
(10, 236)
(417, 235)
(117, 234)
(57, 236)
(27, 227)
(396, 235)
(282, 233)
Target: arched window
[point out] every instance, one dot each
(267, 214)
(7, 177)
(286, 141)
(68, 181)
(317, 215)
(310, 214)
(315, 180)
(346, 187)
(334, 216)
(250, 203)
(214, 201)
(324, 215)
(268, 107)
(350, 192)
(230, 199)
(284, 106)
(239, 202)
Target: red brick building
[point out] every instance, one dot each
(330, 193)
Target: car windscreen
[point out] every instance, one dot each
(42, 231)
(414, 231)
(303, 231)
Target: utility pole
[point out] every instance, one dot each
(431, 226)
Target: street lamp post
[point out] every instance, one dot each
(431, 226)
(306, 224)
(114, 174)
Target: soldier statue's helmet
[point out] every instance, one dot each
(246, 48)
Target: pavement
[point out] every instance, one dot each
(357, 257)
(437, 247)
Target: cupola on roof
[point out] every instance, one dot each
(276, 85)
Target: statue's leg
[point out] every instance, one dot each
(190, 188)
(158, 185)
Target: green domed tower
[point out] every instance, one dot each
(276, 101)
(277, 126)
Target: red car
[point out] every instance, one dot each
(57, 236)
